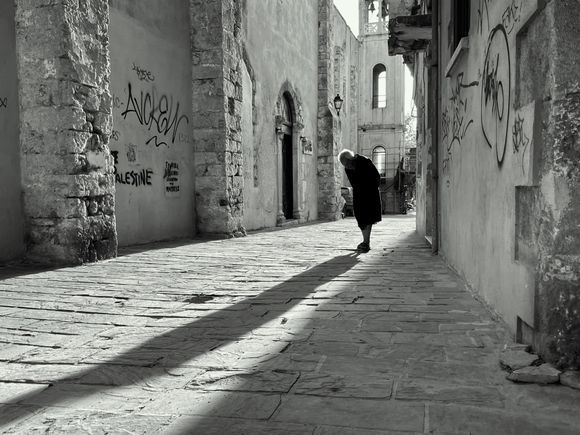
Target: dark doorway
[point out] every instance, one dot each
(287, 177)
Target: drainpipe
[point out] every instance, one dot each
(435, 58)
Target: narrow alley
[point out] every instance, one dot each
(287, 331)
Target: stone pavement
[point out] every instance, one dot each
(286, 331)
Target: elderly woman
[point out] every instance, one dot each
(364, 179)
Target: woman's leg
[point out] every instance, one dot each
(366, 232)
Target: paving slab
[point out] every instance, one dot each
(286, 332)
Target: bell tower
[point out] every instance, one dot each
(381, 98)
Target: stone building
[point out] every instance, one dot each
(381, 113)
(498, 178)
(128, 121)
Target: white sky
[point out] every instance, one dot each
(349, 10)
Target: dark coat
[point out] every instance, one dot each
(365, 180)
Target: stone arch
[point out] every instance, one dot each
(289, 131)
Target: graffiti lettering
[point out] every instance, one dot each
(132, 178)
(454, 119)
(512, 15)
(483, 14)
(143, 74)
(171, 177)
(4, 102)
(162, 114)
(117, 103)
(155, 141)
(496, 92)
(519, 138)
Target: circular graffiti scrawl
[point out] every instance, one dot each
(496, 92)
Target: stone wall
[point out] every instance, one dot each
(217, 97)
(65, 123)
(11, 219)
(329, 169)
(554, 227)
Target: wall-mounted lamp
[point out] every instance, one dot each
(338, 104)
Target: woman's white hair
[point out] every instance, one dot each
(345, 155)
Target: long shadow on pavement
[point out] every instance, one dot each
(287, 295)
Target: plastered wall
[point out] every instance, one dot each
(151, 141)
(486, 148)
(11, 218)
(278, 59)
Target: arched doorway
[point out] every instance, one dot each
(287, 176)
(290, 170)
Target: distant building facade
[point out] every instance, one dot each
(128, 121)
(498, 157)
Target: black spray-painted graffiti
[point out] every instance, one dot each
(520, 140)
(4, 102)
(483, 14)
(512, 15)
(496, 92)
(161, 114)
(131, 178)
(455, 121)
(171, 177)
(143, 74)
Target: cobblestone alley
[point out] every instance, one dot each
(286, 331)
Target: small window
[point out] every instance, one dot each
(379, 86)
(380, 160)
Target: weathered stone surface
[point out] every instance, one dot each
(227, 363)
(544, 374)
(570, 379)
(449, 392)
(359, 413)
(332, 385)
(72, 76)
(516, 359)
(228, 380)
(214, 404)
(470, 419)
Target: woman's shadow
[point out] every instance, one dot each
(234, 323)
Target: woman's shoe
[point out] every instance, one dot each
(363, 247)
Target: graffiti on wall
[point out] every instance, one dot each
(171, 177)
(496, 92)
(483, 14)
(133, 178)
(455, 117)
(520, 139)
(3, 102)
(512, 15)
(160, 114)
(143, 74)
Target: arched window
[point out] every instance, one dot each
(379, 86)
(380, 160)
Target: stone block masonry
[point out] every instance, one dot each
(217, 101)
(329, 169)
(65, 123)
